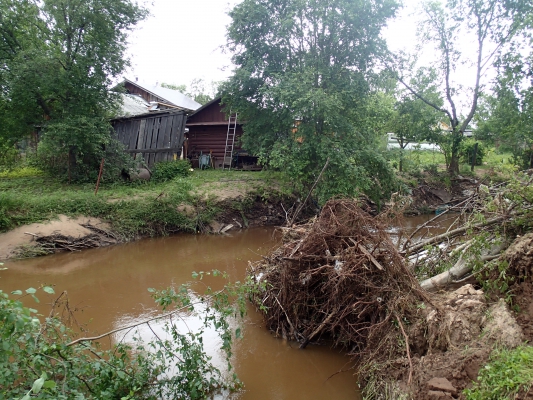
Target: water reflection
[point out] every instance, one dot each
(109, 287)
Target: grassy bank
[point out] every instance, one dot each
(135, 209)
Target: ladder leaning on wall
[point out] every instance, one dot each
(230, 141)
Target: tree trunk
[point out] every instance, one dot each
(461, 268)
(453, 167)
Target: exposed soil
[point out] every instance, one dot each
(238, 211)
(471, 327)
(12, 243)
(523, 299)
(463, 340)
(520, 258)
(430, 196)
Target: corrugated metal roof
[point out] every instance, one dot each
(172, 96)
(132, 105)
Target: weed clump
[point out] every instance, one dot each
(168, 170)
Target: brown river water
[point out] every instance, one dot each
(109, 286)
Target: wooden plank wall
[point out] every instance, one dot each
(155, 138)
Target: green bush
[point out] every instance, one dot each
(467, 151)
(73, 150)
(168, 170)
(9, 156)
(41, 359)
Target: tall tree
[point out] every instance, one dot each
(302, 84)
(412, 120)
(508, 116)
(57, 59)
(490, 25)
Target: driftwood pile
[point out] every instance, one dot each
(58, 242)
(339, 278)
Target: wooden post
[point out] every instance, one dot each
(99, 176)
(474, 157)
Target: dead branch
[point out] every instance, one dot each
(453, 233)
(338, 277)
(461, 268)
(297, 212)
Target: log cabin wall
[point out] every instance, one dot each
(208, 128)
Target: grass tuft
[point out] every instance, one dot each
(507, 373)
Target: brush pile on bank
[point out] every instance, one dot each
(339, 278)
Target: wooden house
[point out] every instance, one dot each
(156, 136)
(151, 122)
(211, 132)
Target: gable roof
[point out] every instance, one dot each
(215, 100)
(170, 96)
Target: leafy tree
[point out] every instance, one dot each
(507, 116)
(302, 84)
(490, 25)
(57, 59)
(412, 122)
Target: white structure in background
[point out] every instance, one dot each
(392, 143)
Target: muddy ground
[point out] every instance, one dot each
(473, 324)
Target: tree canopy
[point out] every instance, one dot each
(491, 25)
(57, 60)
(302, 83)
(507, 115)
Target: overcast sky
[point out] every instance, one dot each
(182, 40)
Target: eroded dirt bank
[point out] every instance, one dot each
(236, 211)
(340, 278)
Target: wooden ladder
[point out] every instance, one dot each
(230, 141)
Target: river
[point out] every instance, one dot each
(108, 287)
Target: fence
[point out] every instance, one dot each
(155, 137)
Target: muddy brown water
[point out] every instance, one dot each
(108, 287)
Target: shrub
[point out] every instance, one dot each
(167, 170)
(73, 150)
(467, 151)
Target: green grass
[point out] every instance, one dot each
(417, 161)
(507, 372)
(143, 208)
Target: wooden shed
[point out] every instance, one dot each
(156, 136)
(211, 132)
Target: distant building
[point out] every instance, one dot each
(210, 132)
(151, 122)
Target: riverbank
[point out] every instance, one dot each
(40, 215)
(444, 317)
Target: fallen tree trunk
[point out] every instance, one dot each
(461, 268)
(451, 234)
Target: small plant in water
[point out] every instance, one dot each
(42, 359)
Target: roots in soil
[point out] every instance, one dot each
(339, 278)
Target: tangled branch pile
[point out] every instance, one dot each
(339, 277)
